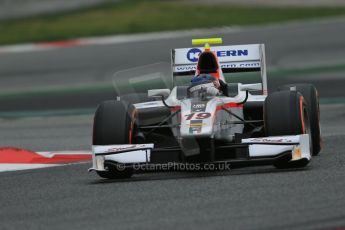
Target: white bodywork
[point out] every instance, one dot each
(242, 56)
(136, 153)
(270, 146)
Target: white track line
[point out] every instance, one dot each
(19, 167)
(119, 39)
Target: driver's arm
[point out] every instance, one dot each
(223, 87)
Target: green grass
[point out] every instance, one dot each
(133, 16)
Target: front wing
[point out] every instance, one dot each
(260, 150)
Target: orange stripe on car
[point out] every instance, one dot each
(302, 112)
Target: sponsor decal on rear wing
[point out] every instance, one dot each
(235, 58)
(229, 57)
(224, 66)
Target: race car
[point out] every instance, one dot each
(208, 119)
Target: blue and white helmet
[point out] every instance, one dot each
(202, 79)
(204, 82)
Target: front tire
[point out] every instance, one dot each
(285, 113)
(114, 123)
(311, 97)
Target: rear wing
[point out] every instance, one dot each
(236, 58)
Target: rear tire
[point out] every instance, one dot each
(114, 123)
(311, 97)
(285, 113)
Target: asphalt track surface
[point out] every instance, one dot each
(249, 198)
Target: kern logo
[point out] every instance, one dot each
(193, 54)
(232, 53)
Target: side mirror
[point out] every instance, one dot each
(251, 87)
(154, 93)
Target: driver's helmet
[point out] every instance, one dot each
(203, 83)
